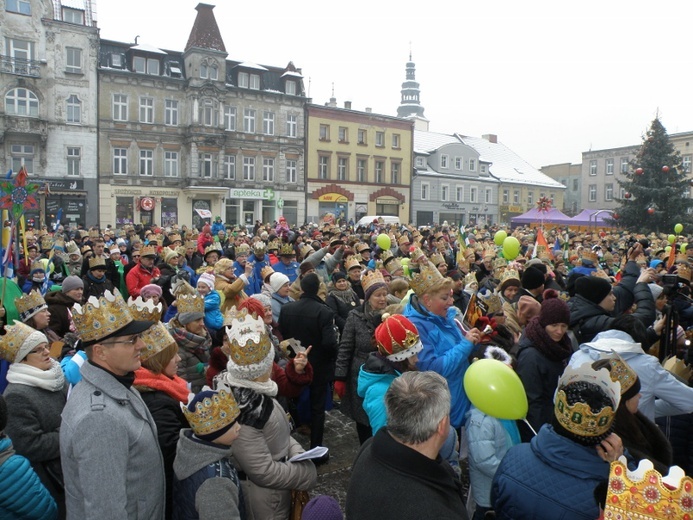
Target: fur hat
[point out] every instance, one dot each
(532, 278)
(277, 281)
(310, 284)
(553, 309)
(593, 288)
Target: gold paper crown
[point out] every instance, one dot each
(360, 248)
(249, 342)
(273, 245)
(212, 413)
(579, 418)
(101, 317)
(243, 249)
(509, 274)
(681, 258)
(590, 256)
(97, 262)
(499, 263)
(38, 265)
(259, 246)
(287, 250)
(425, 278)
(266, 271)
(156, 338)
(489, 251)
(46, 242)
(306, 251)
(144, 310)
(190, 244)
(72, 248)
(387, 256)
(190, 303)
(645, 494)
(12, 341)
(352, 261)
(470, 279)
(684, 271)
(393, 266)
(543, 253)
(437, 259)
(174, 238)
(404, 239)
(59, 243)
(622, 373)
(416, 254)
(493, 303)
(29, 304)
(679, 368)
(370, 278)
(148, 251)
(159, 239)
(211, 248)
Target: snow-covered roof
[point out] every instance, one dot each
(74, 4)
(292, 73)
(144, 47)
(451, 176)
(251, 65)
(430, 141)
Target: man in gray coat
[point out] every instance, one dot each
(110, 455)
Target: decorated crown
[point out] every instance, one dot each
(387, 256)
(404, 239)
(12, 341)
(59, 243)
(470, 278)
(174, 238)
(678, 367)
(371, 278)
(156, 338)
(212, 413)
(646, 494)
(243, 249)
(493, 303)
(148, 251)
(589, 255)
(259, 246)
(622, 373)
(159, 239)
(578, 418)
(72, 248)
(397, 338)
(499, 263)
(489, 251)
(144, 310)
(46, 242)
(437, 259)
(543, 253)
(273, 245)
(101, 317)
(266, 271)
(360, 248)
(287, 250)
(393, 266)
(248, 340)
(306, 251)
(38, 265)
(681, 258)
(509, 274)
(211, 248)
(352, 261)
(416, 254)
(97, 262)
(684, 271)
(427, 275)
(190, 244)
(29, 304)
(190, 303)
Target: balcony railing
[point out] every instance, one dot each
(20, 67)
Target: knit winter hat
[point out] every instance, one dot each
(265, 300)
(322, 507)
(553, 309)
(150, 290)
(71, 283)
(338, 275)
(277, 281)
(305, 267)
(532, 278)
(594, 288)
(206, 279)
(310, 284)
(527, 308)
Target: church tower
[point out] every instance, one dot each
(410, 105)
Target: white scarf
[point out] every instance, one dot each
(52, 379)
(268, 387)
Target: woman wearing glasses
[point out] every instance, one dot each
(35, 397)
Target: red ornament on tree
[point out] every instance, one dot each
(639, 171)
(651, 211)
(627, 195)
(665, 169)
(616, 216)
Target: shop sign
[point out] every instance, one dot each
(451, 205)
(243, 193)
(332, 197)
(147, 204)
(62, 184)
(510, 209)
(387, 200)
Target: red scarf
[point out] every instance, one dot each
(175, 387)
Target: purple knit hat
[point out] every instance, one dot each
(553, 309)
(322, 507)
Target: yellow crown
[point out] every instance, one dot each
(360, 248)
(148, 251)
(493, 303)
(416, 254)
(306, 251)
(159, 239)
(156, 338)
(266, 271)
(174, 238)
(678, 367)
(645, 494)
(46, 242)
(29, 304)
(190, 244)
(59, 243)
(393, 266)
(578, 418)
(622, 373)
(470, 279)
(425, 278)
(371, 278)
(212, 413)
(437, 259)
(101, 317)
(287, 250)
(243, 249)
(273, 245)
(97, 262)
(509, 274)
(404, 239)
(144, 310)
(489, 251)
(12, 341)
(387, 256)
(190, 303)
(684, 271)
(72, 248)
(211, 248)
(249, 343)
(39, 265)
(681, 258)
(352, 261)
(499, 263)
(590, 256)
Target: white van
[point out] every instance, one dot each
(368, 219)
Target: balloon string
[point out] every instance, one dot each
(524, 420)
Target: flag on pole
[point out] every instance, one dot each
(539, 242)
(672, 257)
(462, 243)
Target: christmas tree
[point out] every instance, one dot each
(656, 189)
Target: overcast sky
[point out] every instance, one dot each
(552, 79)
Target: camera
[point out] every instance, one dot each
(643, 242)
(669, 280)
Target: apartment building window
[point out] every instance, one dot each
(625, 164)
(291, 171)
(380, 139)
(609, 166)
(249, 120)
(120, 161)
(146, 110)
(170, 164)
(254, 82)
(120, 107)
(472, 165)
(394, 173)
(444, 192)
(516, 197)
(362, 136)
(230, 167)
(251, 81)
(75, 16)
(209, 71)
(73, 60)
(290, 88)
(530, 197)
(268, 169)
(21, 102)
(425, 191)
(473, 194)
(342, 168)
(171, 112)
(74, 160)
(22, 154)
(459, 193)
(444, 161)
(686, 163)
(506, 196)
(487, 196)
(207, 165)
(420, 162)
(324, 132)
(268, 123)
(361, 171)
(576, 184)
(395, 141)
(323, 167)
(22, 51)
(243, 79)
(482, 168)
(458, 163)
(608, 192)
(209, 112)
(292, 125)
(147, 162)
(18, 6)
(343, 134)
(592, 193)
(144, 65)
(593, 167)
(248, 168)
(379, 165)
(74, 110)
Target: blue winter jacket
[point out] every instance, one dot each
(375, 377)
(445, 351)
(214, 320)
(550, 478)
(22, 495)
(216, 227)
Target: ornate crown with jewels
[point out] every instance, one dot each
(100, 317)
(437, 259)
(12, 341)
(249, 343)
(144, 310)
(266, 271)
(423, 279)
(287, 250)
(156, 338)
(148, 251)
(29, 304)
(190, 303)
(397, 338)
(212, 413)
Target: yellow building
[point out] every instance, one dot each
(357, 163)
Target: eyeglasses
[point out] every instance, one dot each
(40, 349)
(130, 342)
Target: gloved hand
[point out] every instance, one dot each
(340, 388)
(200, 367)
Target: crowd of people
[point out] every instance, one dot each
(153, 373)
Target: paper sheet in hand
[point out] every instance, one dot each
(315, 453)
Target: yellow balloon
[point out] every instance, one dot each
(667, 249)
(511, 248)
(495, 389)
(678, 228)
(671, 238)
(383, 241)
(500, 236)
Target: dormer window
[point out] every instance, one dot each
(291, 88)
(75, 16)
(247, 80)
(143, 65)
(116, 60)
(174, 69)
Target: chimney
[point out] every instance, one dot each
(347, 105)
(369, 110)
(491, 138)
